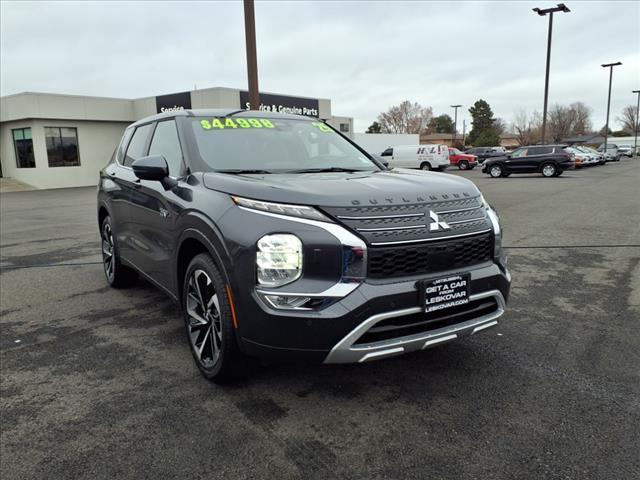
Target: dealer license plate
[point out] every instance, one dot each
(445, 292)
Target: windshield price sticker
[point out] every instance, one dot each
(446, 292)
(222, 123)
(323, 127)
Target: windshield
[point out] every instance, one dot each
(265, 145)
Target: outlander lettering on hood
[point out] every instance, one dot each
(281, 239)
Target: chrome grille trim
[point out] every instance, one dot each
(382, 229)
(399, 242)
(379, 217)
(444, 212)
(469, 220)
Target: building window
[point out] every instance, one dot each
(62, 146)
(23, 145)
(344, 127)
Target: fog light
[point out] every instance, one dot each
(287, 302)
(278, 259)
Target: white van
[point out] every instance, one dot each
(426, 157)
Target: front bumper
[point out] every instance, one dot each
(341, 333)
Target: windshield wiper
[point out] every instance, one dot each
(239, 171)
(326, 169)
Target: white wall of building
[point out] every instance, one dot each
(66, 107)
(376, 143)
(95, 139)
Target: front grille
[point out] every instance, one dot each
(391, 224)
(416, 259)
(425, 322)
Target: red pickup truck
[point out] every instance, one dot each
(464, 161)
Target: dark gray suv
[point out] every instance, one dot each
(282, 239)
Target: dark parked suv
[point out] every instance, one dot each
(549, 160)
(483, 153)
(282, 239)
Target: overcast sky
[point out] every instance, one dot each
(364, 56)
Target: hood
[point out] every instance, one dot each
(393, 187)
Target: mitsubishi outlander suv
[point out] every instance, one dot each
(283, 240)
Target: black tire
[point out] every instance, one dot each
(210, 331)
(496, 171)
(425, 166)
(463, 165)
(548, 170)
(118, 275)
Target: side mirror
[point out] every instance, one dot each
(154, 168)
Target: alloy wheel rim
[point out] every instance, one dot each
(496, 171)
(204, 322)
(463, 165)
(548, 170)
(108, 250)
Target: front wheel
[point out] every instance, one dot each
(209, 322)
(463, 165)
(549, 170)
(118, 275)
(426, 166)
(496, 171)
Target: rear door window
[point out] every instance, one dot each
(138, 144)
(123, 145)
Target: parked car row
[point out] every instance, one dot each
(549, 160)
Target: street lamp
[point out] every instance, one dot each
(542, 12)
(606, 127)
(455, 123)
(635, 126)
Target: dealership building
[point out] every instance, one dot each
(56, 141)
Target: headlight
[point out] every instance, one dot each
(301, 211)
(497, 233)
(278, 259)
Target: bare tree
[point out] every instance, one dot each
(581, 117)
(499, 125)
(527, 127)
(628, 119)
(405, 118)
(564, 121)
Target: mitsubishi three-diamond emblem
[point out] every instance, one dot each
(437, 224)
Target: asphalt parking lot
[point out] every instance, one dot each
(100, 383)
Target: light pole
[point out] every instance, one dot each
(252, 56)
(455, 124)
(542, 12)
(606, 127)
(635, 127)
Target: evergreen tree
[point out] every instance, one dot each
(482, 120)
(374, 128)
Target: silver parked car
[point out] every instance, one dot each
(626, 150)
(612, 154)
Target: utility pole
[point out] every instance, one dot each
(635, 127)
(455, 124)
(542, 12)
(464, 133)
(252, 56)
(606, 127)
